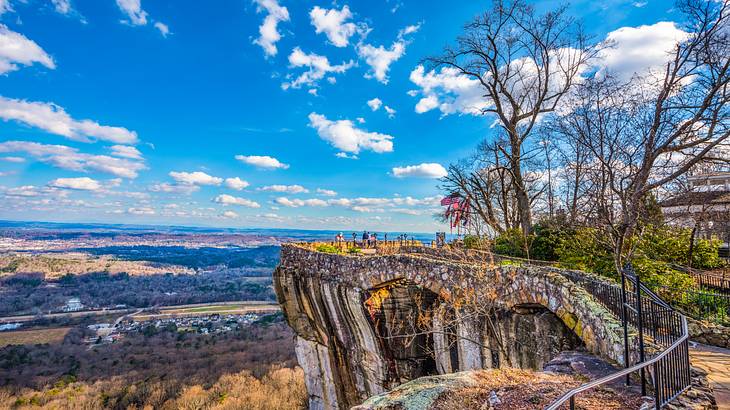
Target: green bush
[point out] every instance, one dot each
(475, 242)
(510, 243)
(670, 244)
(581, 249)
(326, 248)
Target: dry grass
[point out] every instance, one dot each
(526, 390)
(32, 337)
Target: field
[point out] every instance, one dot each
(32, 337)
(223, 309)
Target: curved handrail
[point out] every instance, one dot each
(587, 386)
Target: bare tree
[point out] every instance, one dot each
(648, 132)
(525, 64)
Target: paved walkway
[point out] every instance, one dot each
(716, 362)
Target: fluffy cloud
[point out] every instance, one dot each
(133, 10)
(375, 104)
(22, 191)
(296, 203)
(229, 214)
(639, 49)
(16, 49)
(334, 24)
(262, 161)
(343, 135)
(53, 119)
(448, 91)
(425, 170)
(126, 151)
(317, 67)
(268, 32)
(12, 159)
(163, 28)
(290, 189)
(380, 58)
(236, 183)
(81, 184)
(69, 158)
(195, 178)
(234, 200)
(326, 192)
(632, 50)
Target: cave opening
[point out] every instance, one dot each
(400, 314)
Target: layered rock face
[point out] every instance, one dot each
(366, 324)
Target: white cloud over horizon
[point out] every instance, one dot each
(69, 158)
(80, 184)
(290, 189)
(226, 199)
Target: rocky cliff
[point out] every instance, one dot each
(366, 324)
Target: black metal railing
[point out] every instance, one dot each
(666, 371)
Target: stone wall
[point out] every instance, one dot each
(708, 333)
(343, 352)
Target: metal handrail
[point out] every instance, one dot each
(572, 393)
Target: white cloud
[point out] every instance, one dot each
(360, 120)
(425, 170)
(174, 188)
(639, 49)
(81, 184)
(69, 158)
(390, 111)
(334, 24)
(126, 151)
(296, 203)
(343, 135)
(448, 91)
(133, 10)
(326, 192)
(12, 159)
(268, 32)
(16, 49)
(144, 210)
(62, 6)
(375, 104)
(53, 119)
(380, 58)
(290, 189)
(229, 214)
(195, 178)
(22, 191)
(317, 67)
(236, 183)
(262, 161)
(163, 28)
(234, 200)
(5, 6)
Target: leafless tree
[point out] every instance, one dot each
(525, 63)
(650, 131)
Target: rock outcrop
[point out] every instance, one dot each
(367, 324)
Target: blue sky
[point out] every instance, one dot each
(169, 112)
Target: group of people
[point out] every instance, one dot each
(369, 239)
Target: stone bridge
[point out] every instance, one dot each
(366, 324)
